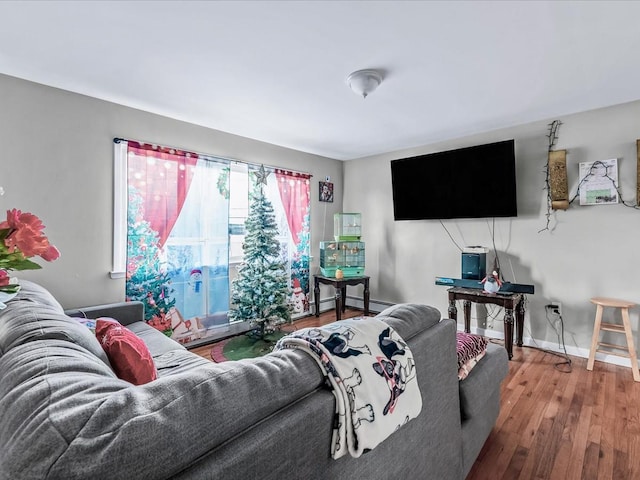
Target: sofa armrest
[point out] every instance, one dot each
(125, 312)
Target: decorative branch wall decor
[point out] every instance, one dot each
(553, 138)
(553, 133)
(558, 184)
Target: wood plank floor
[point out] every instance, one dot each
(554, 425)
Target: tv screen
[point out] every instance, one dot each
(473, 182)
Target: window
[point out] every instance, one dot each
(179, 228)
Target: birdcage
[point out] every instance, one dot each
(346, 256)
(347, 226)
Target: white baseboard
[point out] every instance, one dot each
(327, 304)
(553, 347)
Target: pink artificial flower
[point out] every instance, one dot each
(26, 236)
(4, 278)
(51, 254)
(12, 219)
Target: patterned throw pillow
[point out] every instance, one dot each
(471, 348)
(128, 354)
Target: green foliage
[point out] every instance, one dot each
(16, 261)
(223, 182)
(260, 292)
(146, 279)
(300, 261)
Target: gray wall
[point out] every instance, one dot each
(590, 250)
(57, 162)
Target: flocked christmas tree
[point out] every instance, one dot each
(260, 292)
(146, 279)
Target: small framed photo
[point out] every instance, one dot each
(326, 192)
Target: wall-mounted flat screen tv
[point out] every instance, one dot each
(473, 182)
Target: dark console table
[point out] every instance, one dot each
(508, 301)
(340, 286)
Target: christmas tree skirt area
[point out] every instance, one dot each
(244, 346)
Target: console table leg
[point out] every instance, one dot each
(366, 298)
(344, 298)
(519, 322)
(508, 331)
(316, 297)
(466, 305)
(338, 304)
(453, 310)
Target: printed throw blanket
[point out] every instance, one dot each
(373, 377)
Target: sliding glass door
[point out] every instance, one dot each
(185, 229)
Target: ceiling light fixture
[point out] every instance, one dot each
(363, 82)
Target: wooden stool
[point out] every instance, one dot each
(625, 328)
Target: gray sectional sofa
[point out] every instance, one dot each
(65, 415)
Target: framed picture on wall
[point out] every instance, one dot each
(599, 180)
(326, 192)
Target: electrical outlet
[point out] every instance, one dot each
(554, 307)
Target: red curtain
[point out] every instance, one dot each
(294, 192)
(163, 176)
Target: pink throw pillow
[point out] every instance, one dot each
(127, 353)
(469, 346)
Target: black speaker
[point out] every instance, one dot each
(474, 266)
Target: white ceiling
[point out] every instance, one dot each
(275, 71)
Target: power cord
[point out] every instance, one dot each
(496, 259)
(450, 236)
(567, 359)
(324, 229)
(561, 341)
(565, 356)
(492, 313)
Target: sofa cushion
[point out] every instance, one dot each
(50, 390)
(35, 315)
(71, 417)
(37, 295)
(128, 354)
(408, 319)
(157, 342)
(483, 381)
(178, 361)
